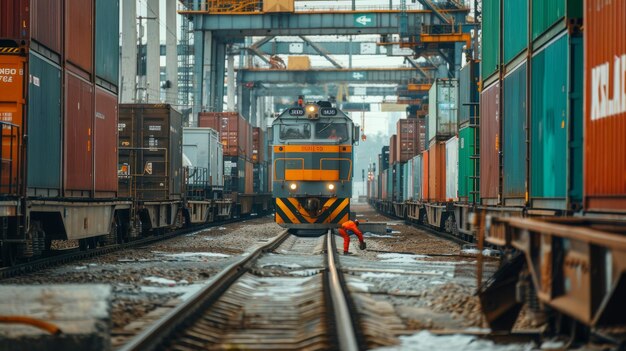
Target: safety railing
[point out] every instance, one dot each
(10, 175)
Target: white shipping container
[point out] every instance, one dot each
(417, 177)
(452, 168)
(443, 108)
(408, 181)
(205, 152)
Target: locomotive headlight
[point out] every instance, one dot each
(312, 111)
(331, 187)
(293, 186)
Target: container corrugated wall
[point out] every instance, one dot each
(12, 81)
(556, 107)
(515, 36)
(466, 164)
(46, 23)
(425, 175)
(605, 127)
(490, 144)
(491, 35)
(417, 177)
(443, 109)
(514, 137)
(398, 182)
(44, 128)
(468, 92)
(107, 40)
(78, 148)
(546, 13)
(14, 19)
(452, 169)
(437, 172)
(105, 143)
(79, 27)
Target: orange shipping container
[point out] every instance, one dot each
(12, 73)
(437, 171)
(425, 173)
(605, 106)
(393, 150)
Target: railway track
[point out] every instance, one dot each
(288, 294)
(70, 255)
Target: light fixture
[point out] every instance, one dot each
(293, 186)
(331, 187)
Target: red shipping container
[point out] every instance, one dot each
(410, 138)
(78, 150)
(605, 106)
(15, 19)
(46, 23)
(393, 150)
(437, 171)
(257, 145)
(490, 144)
(105, 143)
(79, 29)
(234, 132)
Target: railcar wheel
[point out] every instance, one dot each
(8, 255)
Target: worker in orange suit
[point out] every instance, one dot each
(347, 228)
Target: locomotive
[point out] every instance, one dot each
(312, 161)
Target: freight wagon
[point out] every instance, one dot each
(538, 169)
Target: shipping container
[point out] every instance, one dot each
(452, 169)
(490, 35)
(383, 163)
(490, 145)
(78, 140)
(556, 163)
(390, 181)
(515, 36)
(467, 165)
(393, 150)
(410, 137)
(417, 176)
(258, 140)
(44, 149)
(14, 19)
(514, 137)
(468, 93)
(107, 40)
(425, 176)
(443, 109)
(205, 152)
(235, 132)
(12, 108)
(105, 143)
(384, 185)
(549, 13)
(407, 176)
(79, 29)
(398, 182)
(260, 178)
(150, 151)
(47, 23)
(437, 171)
(605, 127)
(238, 175)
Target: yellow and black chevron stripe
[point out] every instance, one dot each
(290, 211)
(9, 50)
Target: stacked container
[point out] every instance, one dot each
(605, 127)
(443, 109)
(71, 150)
(468, 123)
(393, 150)
(437, 172)
(410, 138)
(150, 152)
(452, 169)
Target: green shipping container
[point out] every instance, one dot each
(467, 149)
(547, 12)
(491, 37)
(44, 128)
(556, 108)
(515, 28)
(107, 40)
(514, 137)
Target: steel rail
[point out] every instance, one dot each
(154, 336)
(61, 257)
(343, 319)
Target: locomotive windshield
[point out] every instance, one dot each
(331, 131)
(295, 131)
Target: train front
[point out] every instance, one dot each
(312, 166)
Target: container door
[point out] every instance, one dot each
(79, 114)
(11, 109)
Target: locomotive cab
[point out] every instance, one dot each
(312, 166)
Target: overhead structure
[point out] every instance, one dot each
(325, 76)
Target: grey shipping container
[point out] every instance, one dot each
(203, 148)
(44, 128)
(443, 109)
(150, 151)
(107, 40)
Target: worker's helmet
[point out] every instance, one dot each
(356, 221)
